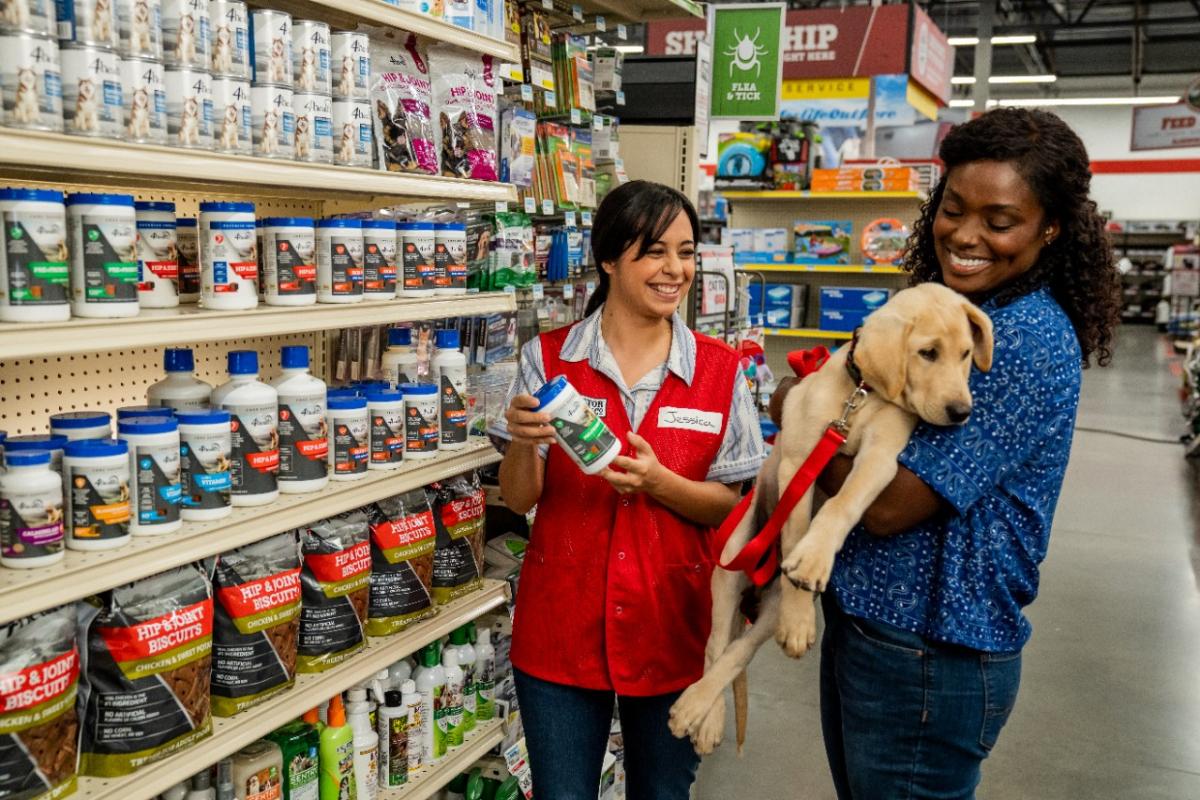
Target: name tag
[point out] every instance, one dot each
(690, 419)
(598, 405)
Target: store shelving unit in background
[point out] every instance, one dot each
(1145, 244)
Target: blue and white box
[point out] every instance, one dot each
(783, 307)
(771, 245)
(843, 308)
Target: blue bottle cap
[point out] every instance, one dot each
(449, 226)
(219, 206)
(96, 199)
(379, 224)
(74, 420)
(346, 403)
(339, 223)
(154, 205)
(185, 222)
(340, 391)
(288, 222)
(139, 425)
(35, 441)
(96, 448)
(447, 340)
(418, 389)
(26, 458)
(550, 390)
(400, 336)
(381, 395)
(40, 195)
(178, 359)
(294, 356)
(243, 362)
(203, 416)
(132, 412)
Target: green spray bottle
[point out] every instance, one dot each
(300, 742)
(337, 755)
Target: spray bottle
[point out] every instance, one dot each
(450, 717)
(485, 677)
(366, 751)
(430, 682)
(461, 641)
(337, 755)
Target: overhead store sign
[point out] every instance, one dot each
(746, 66)
(1165, 127)
(931, 60)
(843, 102)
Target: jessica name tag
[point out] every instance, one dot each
(690, 419)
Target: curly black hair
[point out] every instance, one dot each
(1077, 266)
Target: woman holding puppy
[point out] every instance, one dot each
(614, 594)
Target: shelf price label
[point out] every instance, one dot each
(576, 117)
(620, 97)
(622, 34)
(501, 206)
(569, 219)
(597, 122)
(577, 12)
(586, 216)
(526, 93)
(548, 5)
(530, 205)
(551, 99)
(539, 291)
(600, 26)
(510, 289)
(547, 206)
(568, 291)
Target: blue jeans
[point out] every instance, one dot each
(566, 731)
(905, 718)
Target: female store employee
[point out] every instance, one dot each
(614, 595)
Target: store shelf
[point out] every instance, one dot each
(808, 333)
(781, 195)
(52, 158)
(190, 324)
(625, 11)
(428, 781)
(848, 269)
(233, 733)
(80, 574)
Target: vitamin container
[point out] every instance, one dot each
(181, 390)
(421, 432)
(205, 450)
(450, 258)
(351, 65)
(228, 257)
(232, 115)
(274, 121)
(31, 507)
(258, 772)
(144, 92)
(28, 16)
(187, 34)
(416, 256)
(35, 281)
(96, 507)
(314, 127)
(399, 362)
(582, 435)
(189, 107)
(386, 410)
(289, 270)
(93, 104)
(254, 411)
(349, 449)
(53, 444)
(339, 261)
(188, 246)
(154, 480)
(88, 22)
(340, 392)
(303, 426)
(311, 56)
(271, 47)
(29, 67)
(230, 38)
(81, 425)
(379, 259)
(137, 412)
(352, 137)
(102, 237)
(139, 24)
(450, 374)
(158, 260)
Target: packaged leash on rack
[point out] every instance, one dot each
(401, 96)
(335, 592)
(464, 96)
(402, 543)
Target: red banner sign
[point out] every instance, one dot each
(931, 61)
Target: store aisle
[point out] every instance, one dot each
(1110, 700)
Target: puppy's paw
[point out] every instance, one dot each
(689, 711)
(809, 564)
(711, 730)
(797, 629)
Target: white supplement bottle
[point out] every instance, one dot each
(303, 428)
(416, 259)
(205, 449)
(392, 726)
(181, 389)
(289, 271)
(35, 278)
(254, 408)
(53, 443)
(450, 258)
(339, 260)
(366, 751)
(31, 507)
(130, 412)
(386, 409)
(421, 431)
(76, 425)
(102, 241)
(188, 246)
(449, 718)
(96, 508)
(228, 257)
(430, 682)
(158, 255)
(399, 362)
(349, 434)
(583, 436)
(485, 677)
(450, 372)
(416, 727)
(379, 259)
(153, 474)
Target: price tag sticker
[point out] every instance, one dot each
(577, 12)
(510, 289)
(576, 117)
(547, 207)
(551, 99)
(600, 26)
(530, 205)
(620, 97)
(586, 216)
(569, 219)
(539, 291)
(591, 287)
(548, 5)
(597, 122)
(568, 291)
(622, 34)
(526, 93)
(501, 206)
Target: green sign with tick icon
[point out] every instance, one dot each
(747, 70)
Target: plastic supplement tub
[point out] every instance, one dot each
(53, 444)
(583, 436)
(31, 524)
(399, 362)
(380, 247)
(254, 414)
(450, 258)
(135, 412)
(35, 278)
(96, 504)
(349, 448)
(154, 487)
(102, 232)
(228, 261)
(450, 371)
(205, 447)
(416, 255)
(386, 409)
(289, 273)
(77, 425)
(421, 430)
(158, 259)
(339, 261)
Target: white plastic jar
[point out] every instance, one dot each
(379, 259)
(450, 258)
(349, 434)
(582, 435)
(134, 412)
(154, 487)
(31, 525)
(35, 278)
(76, 425)
(53, 444)
(289, 270)
(228, 260)
(102, 236)
(96, 507)
(386, 409)
(157, 251)
(421, 431)
(254, 413)
(339, 261)
(205, 448)
(416, 259)
(450, 374)
(303, 426)
(181, 390)
(188, 246)
(399, 362)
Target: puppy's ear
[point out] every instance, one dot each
(981, 332)
(882, 352)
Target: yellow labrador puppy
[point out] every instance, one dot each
(915, 355)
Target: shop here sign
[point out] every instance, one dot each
(1165, 127)
(747, 71)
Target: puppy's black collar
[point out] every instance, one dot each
(851, 368)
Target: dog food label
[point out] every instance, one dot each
(454, 411)
(93, 103)
(343, 263)
(157, 254)
(231, 248)
(420, 271)
(145, 98)
(32, 15)
(274, 122)
(156, 488)
(31, 82)
(35, 250)
(140, 24)
(452, 271)
(295, 274)
(352, 133)
(204, 461)
(421, 425)
(314, 127)
(351, 446)
(352, 60)
(187, 33)
(98, 502)
(230, 40)
(110, 269)
(189, 108)
(690, 419)
(31, 523)
(387, 437)
(234, 117)
(379, 265)
(255, 440)
(303, 438)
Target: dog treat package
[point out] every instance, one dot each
(458, 508)
(464, 97)
(334, 590)
(147, 657)
(401, 97)
(39, 729)
(402, 543)
(256, 594)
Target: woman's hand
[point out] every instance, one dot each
(642, 474)
(525, 425)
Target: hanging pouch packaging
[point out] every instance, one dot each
(464, 94)
(401, 97)
(402, 543)
(147, 662)
(39, 729)
(335, 591)
(256, 590)
(458, 506)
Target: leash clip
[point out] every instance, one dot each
(852, 404)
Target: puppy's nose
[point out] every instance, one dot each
(958, 412)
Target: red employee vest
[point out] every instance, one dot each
(614, 591)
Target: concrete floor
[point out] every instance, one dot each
(1110, 695)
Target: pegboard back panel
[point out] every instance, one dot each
(31, 389)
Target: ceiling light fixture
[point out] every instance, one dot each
(967, 80)
(1071, 101)
(971, 41)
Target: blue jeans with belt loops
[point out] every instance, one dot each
(905, 718)
(566, 731)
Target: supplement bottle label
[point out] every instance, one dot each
(441, 723)
(387, 437)
(35, 249)
(582, 433)
(441, 266)
(157, 254)
(204, 459)
(453, 411)
(350, 446)
(343, 263)
(415, 729)
(98, 502)
(396, 743)
(468, 701)
(31, 524)
(303, 776)
(155, 469)
(485, 686)
(189, 265)
(420, 271)
(456, 263)
(110, 269)
(303, 438)
(379, 268)
(420, 427)
(295, 274)
(255, 438)
(232, 249)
